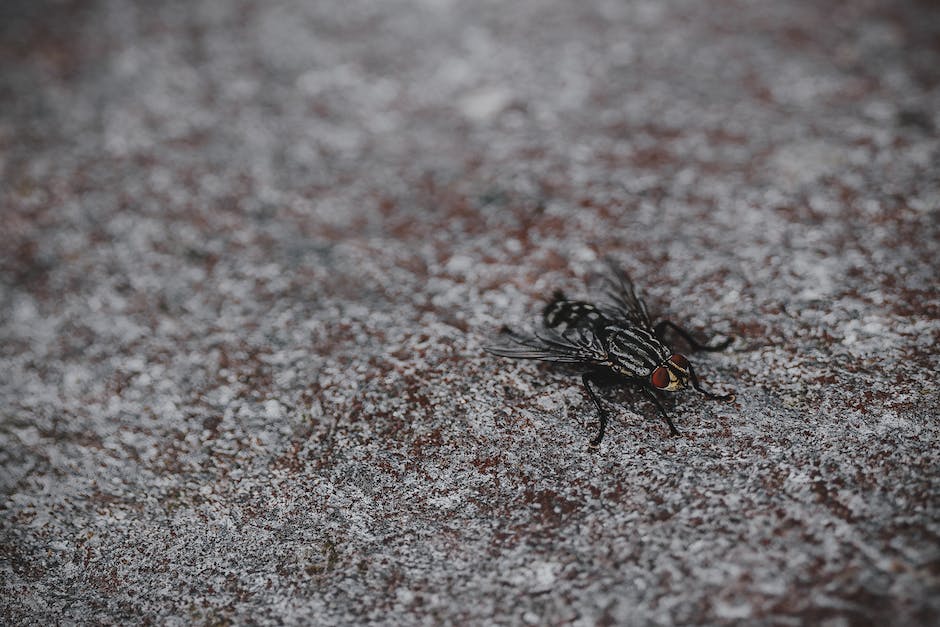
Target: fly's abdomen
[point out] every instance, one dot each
(561, 314)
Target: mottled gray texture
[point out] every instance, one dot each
(252, 251)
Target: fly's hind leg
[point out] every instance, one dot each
(661, 327)
(592, 377)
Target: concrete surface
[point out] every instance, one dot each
(252, 251)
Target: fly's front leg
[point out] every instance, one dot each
(587, 378)
(661, 327)
(698, 388)
(652, 397)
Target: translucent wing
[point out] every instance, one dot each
(575, 346)
(621, 299)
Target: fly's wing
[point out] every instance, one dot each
(621, 300)
(575, 346)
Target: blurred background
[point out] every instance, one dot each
(252, 250)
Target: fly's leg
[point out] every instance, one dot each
(652, 397)
(709, 395)
(661, 327)
(587, 378)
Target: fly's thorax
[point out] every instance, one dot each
(633, 351)
(672, 374)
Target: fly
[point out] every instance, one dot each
(616, 341)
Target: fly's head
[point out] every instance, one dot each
(672, 374)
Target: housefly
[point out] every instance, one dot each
(615, 341)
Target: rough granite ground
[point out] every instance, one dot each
(251, 252)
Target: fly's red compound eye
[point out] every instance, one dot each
(680, 362)
(660, 378)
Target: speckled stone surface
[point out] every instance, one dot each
(251, 252)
